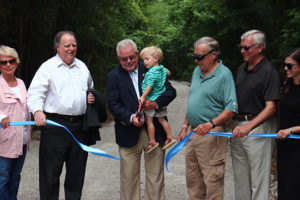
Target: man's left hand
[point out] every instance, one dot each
(203, 129)
(138, 122)
(149, 105)
(90, 98)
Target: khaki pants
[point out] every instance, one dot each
(130, 171)
(205, 166)
(251, 162)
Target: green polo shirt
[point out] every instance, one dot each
(211, 95)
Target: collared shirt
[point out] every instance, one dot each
(135, 80)
(17, 91)
(210, 95)
(255, 87)
(15, 107)
(59, 88)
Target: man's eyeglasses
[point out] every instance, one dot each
(4, 62)
(245, 47)
(200, 57)
(288, 65)
(124, 59)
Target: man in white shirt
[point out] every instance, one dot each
(58, 92)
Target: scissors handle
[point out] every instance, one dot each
(138, 114)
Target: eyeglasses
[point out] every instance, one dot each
(124, 59)
(200, 57)
(245, 47)
(4, 62)
(288, 65)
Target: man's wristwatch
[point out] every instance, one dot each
(212, 123)
(290, 130)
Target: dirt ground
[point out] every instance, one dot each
(102, 174)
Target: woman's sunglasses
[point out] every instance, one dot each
(4, 62)
(288, 65)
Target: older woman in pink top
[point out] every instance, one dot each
(14, 140)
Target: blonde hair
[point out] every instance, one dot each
(8, 51)
(153, 51)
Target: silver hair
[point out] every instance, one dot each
(212, 44)
(125, 43)
(258, 37)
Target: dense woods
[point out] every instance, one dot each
(174, 25)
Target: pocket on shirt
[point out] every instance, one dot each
(8, 98)
(83, 86)
(5, 134)
(81, 81)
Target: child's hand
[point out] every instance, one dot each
(142, 100)
(149, 105)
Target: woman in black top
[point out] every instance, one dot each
(288, 150)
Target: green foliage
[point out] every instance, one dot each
(290, 33)
(174, 25)
(226, 20)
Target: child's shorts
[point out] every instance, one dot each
(154, 113)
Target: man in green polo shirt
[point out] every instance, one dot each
(212, 101)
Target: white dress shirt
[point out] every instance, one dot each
(59, 88)
(134, 78)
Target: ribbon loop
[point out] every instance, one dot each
(84, 147)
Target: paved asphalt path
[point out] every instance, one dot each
(102, 174)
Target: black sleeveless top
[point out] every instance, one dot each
(290, 108)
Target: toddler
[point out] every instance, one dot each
(154, 85)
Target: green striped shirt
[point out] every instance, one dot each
(155, 77)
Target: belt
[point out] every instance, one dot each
(240, 118)
(197, 125)
(68, 118)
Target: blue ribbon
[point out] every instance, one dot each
(177, 148)
(181, 144)
(84, 147)
(266, 135)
